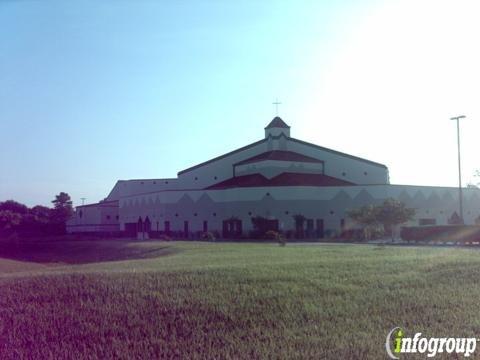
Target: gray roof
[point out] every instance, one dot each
(277, 122)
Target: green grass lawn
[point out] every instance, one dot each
(225, 300)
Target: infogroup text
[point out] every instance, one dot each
(397, 343)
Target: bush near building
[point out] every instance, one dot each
(459, 234)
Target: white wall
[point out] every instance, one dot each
(336, 165)
(98, 217)
(219, 170)
(277, 131)
(327, 203)
(272, 168)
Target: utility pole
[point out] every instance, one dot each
(460, 195)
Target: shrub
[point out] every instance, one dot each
(255, 234)
(165, 237)
(352, 234)
(208, 236)
(272, 235)
(441, 233)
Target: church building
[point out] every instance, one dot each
(276, 178)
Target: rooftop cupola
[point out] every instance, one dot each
(276, 127)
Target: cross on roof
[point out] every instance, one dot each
(276, 103)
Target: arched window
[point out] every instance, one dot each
(147, 226)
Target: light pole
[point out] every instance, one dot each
(460, 197)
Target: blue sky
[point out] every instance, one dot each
(95, 91)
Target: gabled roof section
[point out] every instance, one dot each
(284, 179)
(281, 156)
(338, 153)
(222, 156)
(277, 137)
(277, 122)
(113, 203)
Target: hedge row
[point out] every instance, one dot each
(442, 233)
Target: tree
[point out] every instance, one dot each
(37, 221)
(389, 214)
(9, 220)
(13, 206)
(62, 210)
(62, 207)
(392, 213)
(367, 216)
(12, 214)
(41, 213)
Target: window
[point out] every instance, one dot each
(154, 182)
(214, 178)
(250, 213)
(176, 215)
(141, 182)
(214, 214)
(205, 226)
(80, 214)
(195, 214)
(332, 212)
(166, 182)
(108, 217)
(268, 194)
(344, 173)
(166, 225)
(287, 212)
(424, 222)
(365, 173)
(116, 217)
(196, 178)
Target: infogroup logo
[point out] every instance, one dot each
(397, 343)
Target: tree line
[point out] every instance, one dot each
(17, 218)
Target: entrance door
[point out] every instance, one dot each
(232, 228)
(238, 227)
(147, 226)
(272, 224)
(310, 228)
(319, 229)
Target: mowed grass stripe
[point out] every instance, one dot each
(242, 301)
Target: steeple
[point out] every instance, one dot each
(276, 127)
